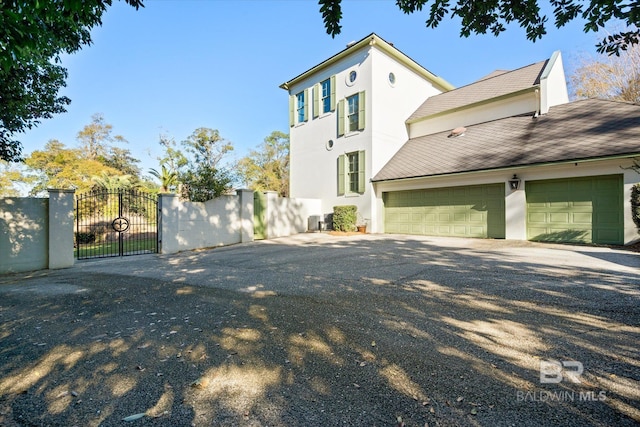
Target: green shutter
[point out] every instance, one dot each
(361, 111)
(341, 175)
(333, 92)
(306, 105)
(317, 94)
(292, 104)
(341, 117)
(361, 168)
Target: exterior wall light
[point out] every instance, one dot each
(514, 182)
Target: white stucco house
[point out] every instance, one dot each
(507, 156)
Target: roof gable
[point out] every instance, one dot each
(389, 48)
(495, 85)
(577, 131)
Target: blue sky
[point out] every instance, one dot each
(177, 65)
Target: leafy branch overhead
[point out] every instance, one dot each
(33, 35)
(492, 16)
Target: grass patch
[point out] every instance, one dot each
(129, 247)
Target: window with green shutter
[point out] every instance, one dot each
(351, 173)
(341, 117)
(341, 174)
(351, 113)
(354, 172)
(361, 114)
(302, 106)
(292, 103)
(361, 182)
(327, 91)
(317, 90)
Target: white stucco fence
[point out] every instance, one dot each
(228, 220)
(36, 233)
(285, 216)
(188, 225)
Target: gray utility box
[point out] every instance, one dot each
(314, 223)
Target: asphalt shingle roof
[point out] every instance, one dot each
(491, 86)
(578, 130)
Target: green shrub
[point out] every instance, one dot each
(84, 238)
(635, 205)
(344, 217)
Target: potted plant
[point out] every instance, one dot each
(361, 223)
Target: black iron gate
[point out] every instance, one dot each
(115, 222)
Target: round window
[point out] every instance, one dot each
(329, 144)
(352, 76)
(392, 79)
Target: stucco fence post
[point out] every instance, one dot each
(169, 218)
(61, 207)
(246, 215)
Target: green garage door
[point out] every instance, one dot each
(578, 210)
(473, 211)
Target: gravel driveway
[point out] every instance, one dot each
(321, 330)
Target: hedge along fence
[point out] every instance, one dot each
(635, 205)
(344, 217)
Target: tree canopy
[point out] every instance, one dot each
(33, 35)
(608, 77)
(59, 166)
(195, 171)
(267, 167)
(492, 16)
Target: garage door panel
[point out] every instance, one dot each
(581, 218)
(477, 217)
(459, 217)
(539, 217)
(401, 217)
(606, 234)
(430, 229)
(417, 228)
(606, 183)
(443, 230)
(537, 204)
(476, 231)
(586, 209)
(560, 217)
(460, 230)
(474, 211)
(605, 219)
(605, 199)
(559, 205)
